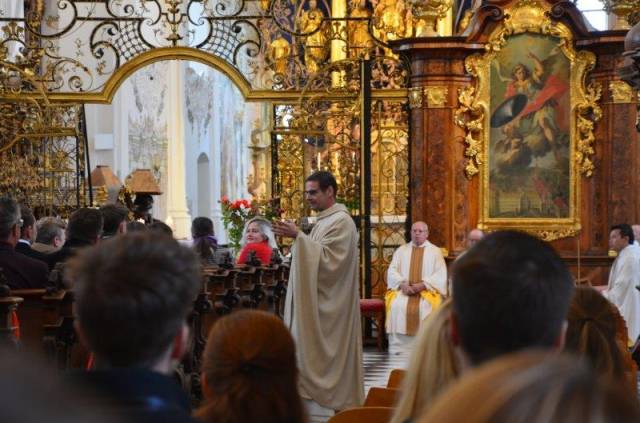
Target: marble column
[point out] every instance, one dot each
(121, 103)
(216, 162)
(177, 213)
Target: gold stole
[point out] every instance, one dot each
(415, 277)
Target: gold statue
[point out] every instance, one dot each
(389, 18)
(310, 22)
(360, 41)
(426, 15)
(622, 9)
(278, 54)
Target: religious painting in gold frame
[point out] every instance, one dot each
(529, 121)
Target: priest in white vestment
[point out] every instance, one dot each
(417, 283)
(625, 277)
(322, 306)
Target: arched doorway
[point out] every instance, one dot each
(189, 124)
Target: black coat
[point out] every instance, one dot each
(68, 250)
(22, 272)
(24, 248)
(134, 395)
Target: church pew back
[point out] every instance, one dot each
(395, 378)
(381, 397)
(363, 415)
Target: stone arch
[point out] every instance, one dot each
(155, 55)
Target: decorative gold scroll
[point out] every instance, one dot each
(621, 92)
(436, 96)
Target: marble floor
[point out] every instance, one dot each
(378, 366)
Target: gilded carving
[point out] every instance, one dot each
(436, 96)
(621, 92)
(588, 112)
(622, 9)
(470, 116)
(278, 54)
(311, 23)
(360, 41)
(415, 98)
(547, 81)
(426, 14)
(390, 18)
(549, 234)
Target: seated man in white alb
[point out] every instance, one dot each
(625, 277)
(417, 282)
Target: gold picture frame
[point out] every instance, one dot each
(530, 134)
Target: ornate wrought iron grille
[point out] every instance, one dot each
(324, 133)
(270, 44)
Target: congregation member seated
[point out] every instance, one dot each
(417, 283)
(133, 294)
(34, 392)
(511, 291)
(20, 271)
(433, 365)
(50, 235)
(28, 235)
(257, 237)
(115, 219)
(83, 230)
(533, 387)
(249, 371)
(592, 332)
(136, 226)
(205, 243)
(161, 227)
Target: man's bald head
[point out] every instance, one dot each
(636, 232)
(474, 236)
(419, 233)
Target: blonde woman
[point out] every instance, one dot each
(534, 387)
(432, 366)
(257, 237)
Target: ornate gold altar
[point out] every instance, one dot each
(345, 82)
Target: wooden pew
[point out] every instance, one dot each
(381, 397)
(363, 415)
(250, 287)
(396, 377)
(222, 290)
(270, 282)
(8, 327)
(46, 323)
(280, 290)
(189, 370)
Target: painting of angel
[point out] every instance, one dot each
(529, 145)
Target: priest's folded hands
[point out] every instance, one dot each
(408, 289)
